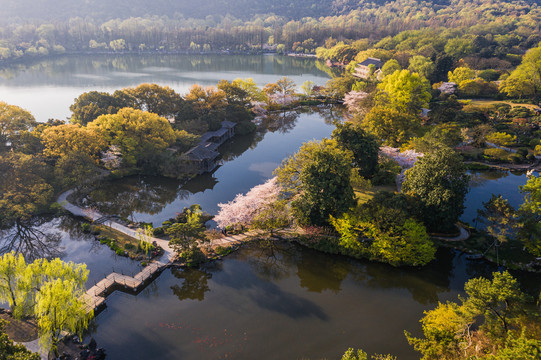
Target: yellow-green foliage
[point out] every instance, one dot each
(501, 138)
(497, 154)
(51, 291)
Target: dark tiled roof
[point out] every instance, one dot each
(372, 61)
(202, 151)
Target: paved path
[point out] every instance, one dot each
(464, 235)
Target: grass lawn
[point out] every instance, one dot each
(481, 102)
(365, 195)
(122, 241)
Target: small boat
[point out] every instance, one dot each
(474, 256)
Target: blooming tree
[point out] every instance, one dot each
(243, 208)
(354, 99)
(405, 159)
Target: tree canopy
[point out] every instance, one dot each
(440, 182)
(137, 133)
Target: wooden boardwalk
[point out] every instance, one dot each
(96, 295)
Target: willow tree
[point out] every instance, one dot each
(51, 291)
(60, 307)
(12, 280)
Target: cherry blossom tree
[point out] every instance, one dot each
(243, 208)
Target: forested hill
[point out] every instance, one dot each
(109, 9)
(103, 10)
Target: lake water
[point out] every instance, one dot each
(48, 88)
(287, 302)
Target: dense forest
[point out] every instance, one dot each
(508, 27)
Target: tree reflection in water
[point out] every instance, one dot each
(132, 195)
(30, 240)
(271, 260)
(195, 282)
(318, 272)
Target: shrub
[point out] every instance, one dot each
(497, 154)
(501, 138)
(85, 227)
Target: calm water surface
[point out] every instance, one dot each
(288, 303)
(48, 88)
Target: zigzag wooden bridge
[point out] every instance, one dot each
(96, 295)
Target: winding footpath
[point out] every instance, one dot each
(96, 295)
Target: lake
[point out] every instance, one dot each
(48, 88)
(284, 302)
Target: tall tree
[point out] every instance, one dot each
(404, 91)
(25, 188)
(138, 134)
(13, 119)
(391, 126)
(530, 216)
(525, 80)
(320, 174)
(440, 182)
(89, 105)
(364, 147)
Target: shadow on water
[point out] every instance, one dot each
(195, 281)
(32, 239)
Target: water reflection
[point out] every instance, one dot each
(319, 272)
(195, 282)
(30, 240)
(135, 195)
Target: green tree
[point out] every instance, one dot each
(529, 216)
(404, 91)
(447, 332)
(13, 119)
(59, 141)
(525, 80)
(161, 100)
(286, 85)
(499, 216)
(138, 134)
(12, 279)
(320, 174)
(308, 87)
(422, 66)
(272, 216)
(12, 351)
(496, 321)
(390, 67)
(89, 105)
(391, 126)
(500, 301)
(364, 147)
(440, 182)
(185, 235)
(25, 188)
(459, 47)
(248, 85)
(461, 74)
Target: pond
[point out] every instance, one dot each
(48, 88)
(288, 302)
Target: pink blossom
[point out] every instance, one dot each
(353, 100)
(405, 159)
(242, 209)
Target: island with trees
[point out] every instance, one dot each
(430, 92)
